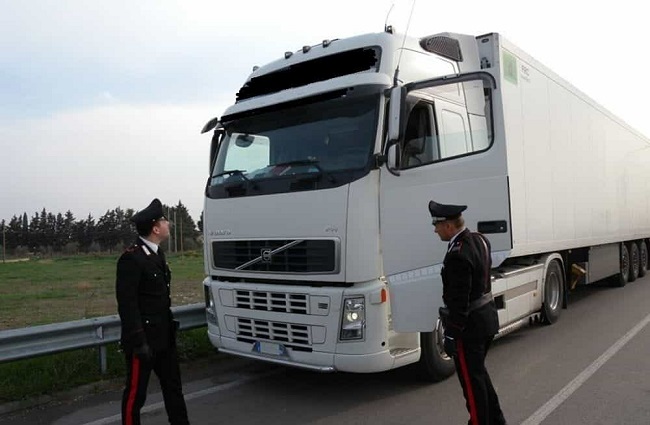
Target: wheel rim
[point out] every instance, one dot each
(439, 335)
(553, 293)
(635, 261)
(643, 263)
(625, 262)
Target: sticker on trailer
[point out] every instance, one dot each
(510, 67)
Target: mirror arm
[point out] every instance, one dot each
(380, 160)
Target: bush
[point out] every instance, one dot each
(190, 244)
(71, 248)
(21, 251)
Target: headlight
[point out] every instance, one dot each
(210, 307)
(354, 318)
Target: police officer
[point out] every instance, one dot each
(148, 328)
(470, 316)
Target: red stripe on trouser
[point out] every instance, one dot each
(468, 384)
(135, 377)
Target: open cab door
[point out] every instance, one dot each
(441, 146)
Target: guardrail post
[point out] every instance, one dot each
(102, 351)
(102, 359)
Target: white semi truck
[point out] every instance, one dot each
(319, 248)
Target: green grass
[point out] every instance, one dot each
(49, 374)
(44, 291)
(56, 290)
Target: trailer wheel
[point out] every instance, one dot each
(643, 258)
(633, 249)
(434, 365)
(621, 278)
(553, 293)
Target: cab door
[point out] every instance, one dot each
(447, 151)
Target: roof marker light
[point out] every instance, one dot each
(305, 49)
(287, 55)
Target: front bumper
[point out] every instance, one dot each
(314, 360)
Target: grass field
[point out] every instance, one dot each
(38, 292)
(44, 291)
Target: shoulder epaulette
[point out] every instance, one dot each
(456, 246)
(146, 250)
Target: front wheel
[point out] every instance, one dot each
(434, 365)
(553, 293)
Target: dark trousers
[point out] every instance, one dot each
(480, 398)
(165, 365)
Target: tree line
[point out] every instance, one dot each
(49, 233)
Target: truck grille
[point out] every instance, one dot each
(277, 256)
(285, 333)
(272, 301)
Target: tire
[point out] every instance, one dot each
(621, 278)
(434, 365)
(553, 293)
(643, 258)
(633, 249)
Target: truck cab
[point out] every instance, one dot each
(319, 249)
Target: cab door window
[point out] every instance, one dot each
(443, 125)
(453, 134)
(420, 144)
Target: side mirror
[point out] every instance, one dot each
(214, 122)
(395, 104)
(214, 146)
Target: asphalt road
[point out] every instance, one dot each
(591, 367)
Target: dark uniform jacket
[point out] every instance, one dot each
(143, 298)
(466, 278)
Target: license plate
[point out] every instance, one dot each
(269, 348)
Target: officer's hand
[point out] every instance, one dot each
(143, 352)
(450, 346)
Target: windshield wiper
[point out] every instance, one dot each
(299, 162)
(233, 172)
(239, 173)
(313, 162)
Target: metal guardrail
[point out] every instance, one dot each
(16, 344)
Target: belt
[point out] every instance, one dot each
(480, 302)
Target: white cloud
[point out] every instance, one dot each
(107, 97)
(98, 159)
(138, 35)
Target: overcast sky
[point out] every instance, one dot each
(101, 103)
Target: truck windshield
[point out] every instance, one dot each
(311, 146)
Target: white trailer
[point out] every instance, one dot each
(319, 248)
